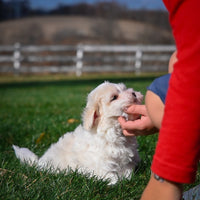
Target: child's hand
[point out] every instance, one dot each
(141, 126)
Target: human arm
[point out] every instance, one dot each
(165, 190)
(141, 126)
(177, 152)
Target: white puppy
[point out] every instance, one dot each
(97, 147)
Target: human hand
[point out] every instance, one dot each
(173, 59)
(141, 126)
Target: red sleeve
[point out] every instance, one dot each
(178, 148)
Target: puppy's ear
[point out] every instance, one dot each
(90, 116)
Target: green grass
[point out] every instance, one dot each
(35, 114)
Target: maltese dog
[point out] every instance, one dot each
(98, 147)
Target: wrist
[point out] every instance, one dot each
(159, 188)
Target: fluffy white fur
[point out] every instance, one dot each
(97, 147)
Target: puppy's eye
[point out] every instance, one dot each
(114, 97)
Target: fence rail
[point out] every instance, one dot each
(84, 58)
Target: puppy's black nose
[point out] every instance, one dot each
(133, 93)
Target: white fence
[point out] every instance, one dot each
(84, 58)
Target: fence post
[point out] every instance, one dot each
(16, 57)
(138, 61)
(79, 61)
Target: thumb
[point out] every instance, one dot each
(121, 120)
(137, 109)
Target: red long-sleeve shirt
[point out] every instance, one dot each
(178, 148)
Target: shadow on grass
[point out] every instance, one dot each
(89, 81)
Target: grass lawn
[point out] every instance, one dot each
(35, 112)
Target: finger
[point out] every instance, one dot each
(132, 133)
(137, 109)
(130, 125)
(121, 120)
(128, 134)
(133, 125)
(124, 124)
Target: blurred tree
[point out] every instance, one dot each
(110, 10)
(108, 28)
(1, 10)
(25, 7)
(14, 9)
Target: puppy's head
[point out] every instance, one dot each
(107, 101)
